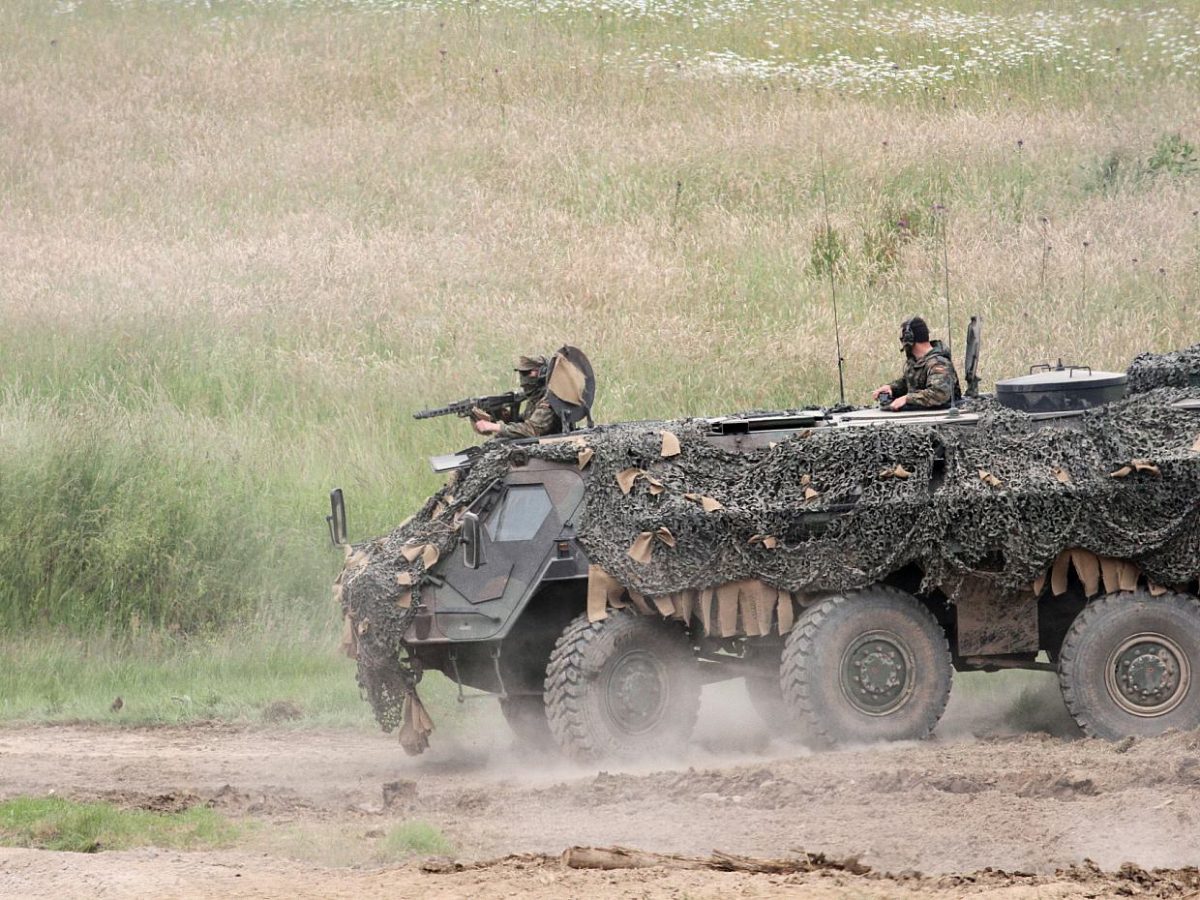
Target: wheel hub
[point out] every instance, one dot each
(1148, 675)
(877, 673)
(637, 692)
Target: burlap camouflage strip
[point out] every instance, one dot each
(828, 509)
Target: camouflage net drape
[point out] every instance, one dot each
(835, 509)
(1180, 368)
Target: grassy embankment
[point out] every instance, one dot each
(241, 245)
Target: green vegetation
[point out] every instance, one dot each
(1172, 155)
(409, 838)
(283, 672)
(166, 678)
(244, 241)
(52, 823)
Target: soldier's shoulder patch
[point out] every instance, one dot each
(937, 369)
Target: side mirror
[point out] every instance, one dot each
(336, 520)
(471, 543)
(971, 355)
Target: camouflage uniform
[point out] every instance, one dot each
(929, 382)
(537, 416)
(537, 419)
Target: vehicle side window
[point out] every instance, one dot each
(520, 514)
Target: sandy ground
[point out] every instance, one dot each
(954, 809)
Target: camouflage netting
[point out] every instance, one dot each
(828, 509)
(1180, 368)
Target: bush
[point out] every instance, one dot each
(1172, 155)
(415, 838)
(113, 517)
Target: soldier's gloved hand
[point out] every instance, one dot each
(482, 427)
(899, 403)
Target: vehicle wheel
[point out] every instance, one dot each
(526, 716)
(625, 686)
(1129, 665)
(868, 666)
(766, 692)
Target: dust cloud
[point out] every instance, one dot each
(729, 731)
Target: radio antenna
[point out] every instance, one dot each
(943, 215)
(830, 262)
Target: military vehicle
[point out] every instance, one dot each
(844, 562)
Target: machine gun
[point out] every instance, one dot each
(496, 408)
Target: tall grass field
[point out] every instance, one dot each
(241, 241)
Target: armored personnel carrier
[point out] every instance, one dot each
(844, 562)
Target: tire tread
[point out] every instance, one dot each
(566, 688)
(1084, 624)
(795, 674)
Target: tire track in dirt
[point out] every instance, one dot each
(1030, 803)
(141, 873)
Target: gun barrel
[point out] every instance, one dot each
(491, 405)
(461, 408)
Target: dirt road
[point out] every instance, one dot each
(1029, 803)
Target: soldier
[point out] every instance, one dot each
(929, 380)
(537, 417)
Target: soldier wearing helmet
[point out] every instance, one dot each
(929, 380)
(537, 417)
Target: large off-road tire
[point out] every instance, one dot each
(1130, 665)
(868, 666)
(624, 687)
(526, 716)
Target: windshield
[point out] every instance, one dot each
(520, 514)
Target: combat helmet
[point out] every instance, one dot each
(533, 371)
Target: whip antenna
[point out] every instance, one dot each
(946, 277)
(940, 211)
(830, 263)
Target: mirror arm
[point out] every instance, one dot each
(336, 520)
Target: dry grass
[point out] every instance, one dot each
(289, 228)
